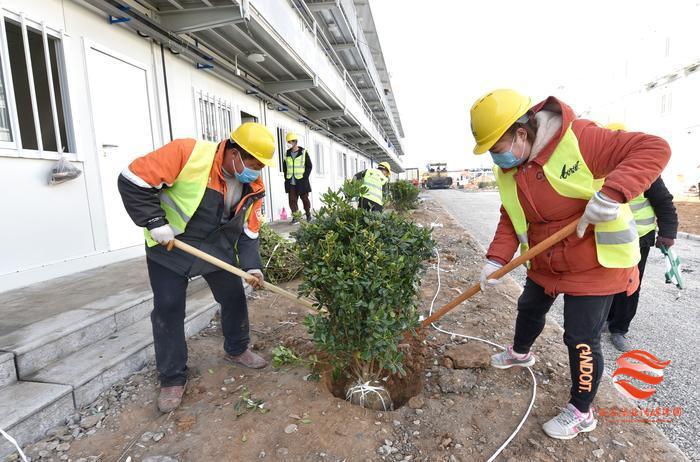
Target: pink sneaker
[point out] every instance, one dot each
(509, 358)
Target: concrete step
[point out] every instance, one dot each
(94, 368)
(107, 310)
(8, 374)
(28, 410)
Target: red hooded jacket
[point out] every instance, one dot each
(629, 161)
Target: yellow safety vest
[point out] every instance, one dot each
(374, 180)
(644, 215)
(181, 200)
(617, 242)
(296, 165)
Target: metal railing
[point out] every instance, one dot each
(337, 62)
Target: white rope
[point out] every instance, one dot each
(13, 441)
(365, 389)
(454, 334)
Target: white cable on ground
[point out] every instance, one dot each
(14, 442)
(454, 334)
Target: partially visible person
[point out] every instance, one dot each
(297, 170)
(375, 180)
(653, 207)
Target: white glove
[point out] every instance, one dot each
(257, 273)
(488, 269)
(162, 234)
(598, 210)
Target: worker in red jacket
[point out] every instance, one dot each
(552, 168)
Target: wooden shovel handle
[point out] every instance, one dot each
(499, 273)
(238, 272)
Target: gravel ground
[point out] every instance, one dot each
(666, 324)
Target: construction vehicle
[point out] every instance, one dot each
(437, 176)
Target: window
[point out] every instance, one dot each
(666, 103)
(319, 160)
(5, 129)
(281, 146)
(36, 76)
(342, 165)
(215, 117)
(363, 166)
(245, 117)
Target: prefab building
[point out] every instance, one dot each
(101, 82)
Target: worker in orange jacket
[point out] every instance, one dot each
(208, 195)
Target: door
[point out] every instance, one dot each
(121, 111)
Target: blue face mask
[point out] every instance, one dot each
(508, 159)
(248, 175)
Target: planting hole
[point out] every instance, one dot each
(398, 390)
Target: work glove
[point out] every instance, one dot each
(664, 242)
(162, 234)
(599, 209)
(489, 268)
(260, 278)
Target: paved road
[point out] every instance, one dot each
(667, 322)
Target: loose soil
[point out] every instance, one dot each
(688, 216)
(302, 421)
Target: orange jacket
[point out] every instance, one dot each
(629, 161)
(141, 182)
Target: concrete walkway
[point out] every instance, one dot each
(667, 322)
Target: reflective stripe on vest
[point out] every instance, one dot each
(296, 165)
(374, 180)
(181, 200)
(617, 242)
(644, 215)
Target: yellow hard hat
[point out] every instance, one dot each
(385, 165)
(616, 126)
(257, 140)
(493, 114)
(292, 137)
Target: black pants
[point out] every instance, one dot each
(370, 205)
(584, 317)
(294, 201)
(168, 318)
(623, 307)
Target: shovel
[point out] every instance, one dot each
(499, 273)
(239, 272)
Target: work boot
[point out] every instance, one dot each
(510, 358)
(248, 359)
(569, 423)
(308, 216)
(620, 342)
(170, 398)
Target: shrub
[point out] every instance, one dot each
(363, 268)
(404, 195)
(487, 184)
(279, 255)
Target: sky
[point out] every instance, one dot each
(444, 54)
